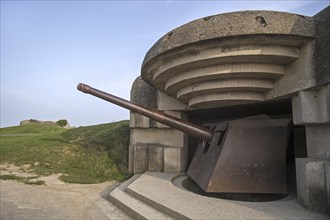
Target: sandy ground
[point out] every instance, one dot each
(54, 200)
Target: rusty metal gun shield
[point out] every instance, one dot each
(244, 156)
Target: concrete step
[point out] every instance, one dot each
(158, 191)
(111, 211)
(132, 206)
(157, 204)
(163, 185)
(160, 196)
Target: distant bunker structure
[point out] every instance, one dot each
(259, 80)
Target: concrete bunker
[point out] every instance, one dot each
(236, 65)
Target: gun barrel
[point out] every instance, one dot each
(179, 124)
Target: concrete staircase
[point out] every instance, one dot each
(132, 205)
(156, 196)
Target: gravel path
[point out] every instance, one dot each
(56, 200)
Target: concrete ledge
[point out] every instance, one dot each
(165, 137)
(312, 106)
(140, 121)
(221, 56)
(165, 102)
(225, 99)
(236, 71)
(175, 113)
(216, 86)
(158, 191)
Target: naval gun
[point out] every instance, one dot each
(246, 155)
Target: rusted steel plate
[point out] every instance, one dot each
(250, 158)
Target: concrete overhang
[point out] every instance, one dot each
(233, 58)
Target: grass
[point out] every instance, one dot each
(26, 180)
(31, 129)
(90, 154)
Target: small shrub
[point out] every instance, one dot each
(62, 122)
(26, 180)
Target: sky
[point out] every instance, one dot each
(48, 47)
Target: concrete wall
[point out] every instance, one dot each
(154, 146)
(322, 47)
(311, 108)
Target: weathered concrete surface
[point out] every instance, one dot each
(174, 113)
(175, 160)
(148, 138)
(140, 121)
(318, 141)
(140, 158)
(322, 47)
(276, 49)
(157, 149)
(312, 106)
(56, 201)
(233, 24)
(165, 102)
(313, 183)
(299, 74)
(132, 206)
(143, 94)
(155, 159)
(158, 191)
(157, 136)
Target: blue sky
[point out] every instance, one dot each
(48, 47)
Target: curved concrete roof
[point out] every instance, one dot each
(233, 24)
(227, 49)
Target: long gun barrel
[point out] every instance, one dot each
(181, 125)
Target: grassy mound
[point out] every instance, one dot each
(90, 154)
(31, 129)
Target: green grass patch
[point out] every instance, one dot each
(26, 180)
(90, 154)
(111, 138)
(31, 129)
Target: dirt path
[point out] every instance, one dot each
(56, 200)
